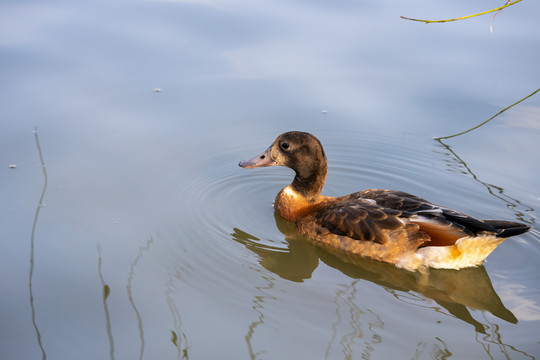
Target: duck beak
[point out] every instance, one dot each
(261, 160)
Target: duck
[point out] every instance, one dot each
(385, 225)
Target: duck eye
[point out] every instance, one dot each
(284, 146)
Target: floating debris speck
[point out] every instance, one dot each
(157, 90)
(12, 166)
(325, 112)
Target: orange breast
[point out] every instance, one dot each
(292, 206)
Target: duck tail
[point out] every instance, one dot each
(507, 228)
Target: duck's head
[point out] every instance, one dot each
(301, 152)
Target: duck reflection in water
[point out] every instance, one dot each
(455, 290)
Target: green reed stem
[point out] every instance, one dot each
(509, 3)
(491, 118)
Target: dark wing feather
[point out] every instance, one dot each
(372, 215)
(359, 219)
(415, 207)
(397, 200)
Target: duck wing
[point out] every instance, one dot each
(375, 215)
(364, 219)
(444, 225)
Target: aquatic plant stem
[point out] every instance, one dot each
(509, 3)
(106, 293)
(520, 209)
(32, 236)
(491, 118)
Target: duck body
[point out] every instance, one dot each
(386, 225)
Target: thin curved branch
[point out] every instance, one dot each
(491, 118)
(509, 3)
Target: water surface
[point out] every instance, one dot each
(150, 241)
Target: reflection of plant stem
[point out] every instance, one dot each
(441, 352)
(347, 294)
(130, 294)
(496, 191)
(348, 339)
(258, 307)
(31, 273)
(106, 293)
(509, 3)
(335, 325)
(495, 338)
(177, 334)
(491, 118)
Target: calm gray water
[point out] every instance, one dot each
(147, 241)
